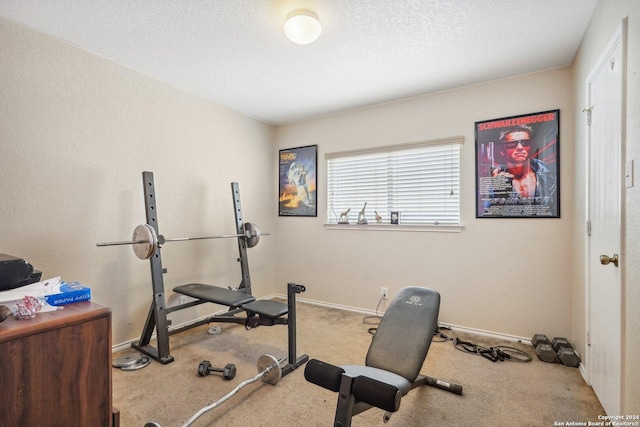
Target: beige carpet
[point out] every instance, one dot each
(494, 394)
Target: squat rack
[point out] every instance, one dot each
(240, 300)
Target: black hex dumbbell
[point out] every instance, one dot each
(565, 352)
(228, 372)
(544, 349)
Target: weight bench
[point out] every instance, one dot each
(268, 311)
(393, 362)
(257, 313)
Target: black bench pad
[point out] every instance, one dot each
(215, 294)
(267, 308)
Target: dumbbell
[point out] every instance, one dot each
(565, 352)
(544, 349)
(557, 351)
(228, 372)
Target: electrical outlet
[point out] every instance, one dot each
(384, 293)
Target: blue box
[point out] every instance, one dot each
(69, 293)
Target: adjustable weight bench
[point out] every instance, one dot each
(393, 362)
(269, 312)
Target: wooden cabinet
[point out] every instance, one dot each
(55, 369)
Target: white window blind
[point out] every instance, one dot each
(420, 180)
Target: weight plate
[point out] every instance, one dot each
(252, 233)
(273, 376)
(147, 235)
(127, 360)
(214, 330)
(144, 361)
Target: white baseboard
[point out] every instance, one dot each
(489, 334)
(340, 307)
(463, 329)
(583, 372)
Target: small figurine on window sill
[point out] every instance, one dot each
(344, 217)
(361, 217)
(378, 217)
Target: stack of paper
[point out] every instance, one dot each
(52, 291)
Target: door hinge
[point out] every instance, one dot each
(588, 338)
(588, 111)
(588, 227)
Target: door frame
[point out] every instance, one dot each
(618, 37)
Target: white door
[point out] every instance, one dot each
(605, 86)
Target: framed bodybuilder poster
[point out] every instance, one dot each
(518, 166)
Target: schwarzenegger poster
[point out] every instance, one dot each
(517, 166)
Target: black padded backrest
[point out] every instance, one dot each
(404, 335)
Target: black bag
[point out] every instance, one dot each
(16, 272)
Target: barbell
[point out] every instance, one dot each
(269, 371)
(145, 240)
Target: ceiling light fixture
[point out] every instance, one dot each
(302, 26)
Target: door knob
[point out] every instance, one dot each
(605, 260)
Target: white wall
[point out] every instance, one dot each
(507, 276)
(76, 132)
(607, 17)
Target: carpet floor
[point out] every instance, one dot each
(494, 393)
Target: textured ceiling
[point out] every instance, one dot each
(235, 53)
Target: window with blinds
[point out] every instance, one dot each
(421, 181)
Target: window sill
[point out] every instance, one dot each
(396, 227)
